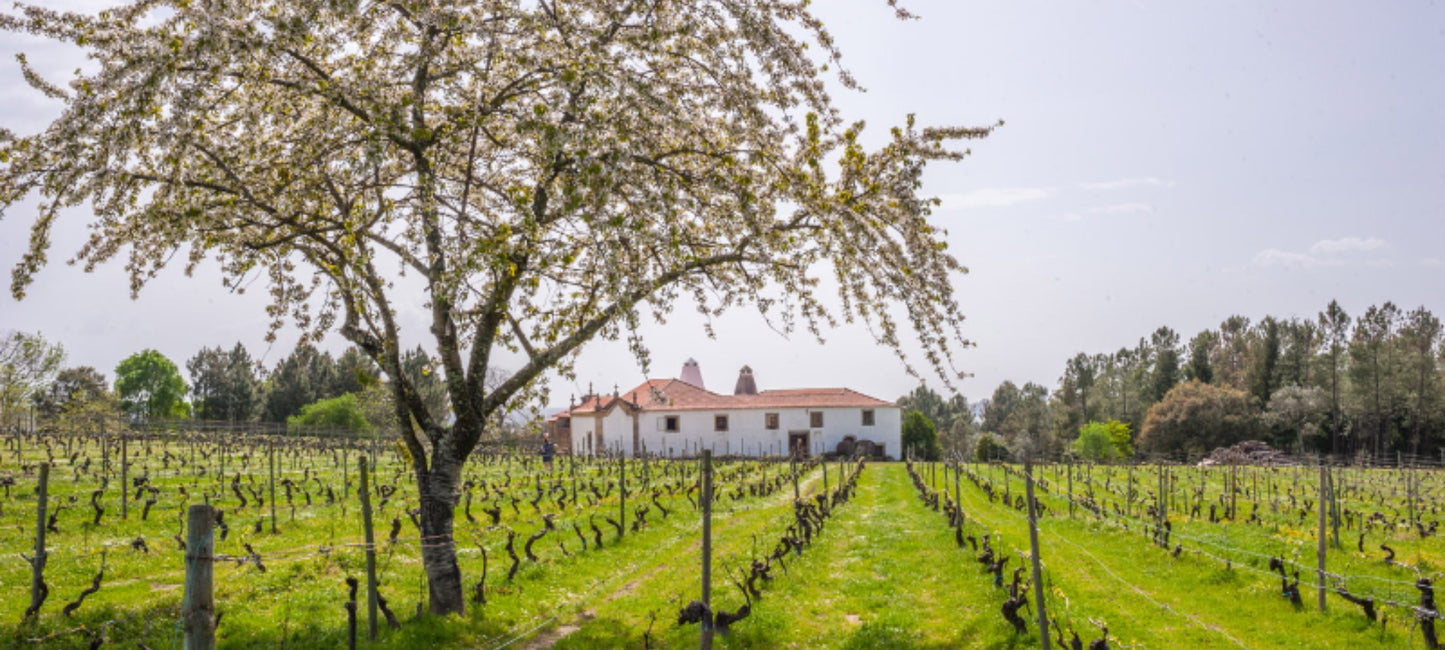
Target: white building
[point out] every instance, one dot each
(679, 417)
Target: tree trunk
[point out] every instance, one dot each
(438, 488)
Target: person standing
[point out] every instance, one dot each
(548, 451)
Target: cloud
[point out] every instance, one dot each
(1346, 245)
(995, 197)
(1125, 183)
(1287, 259)
(1122, 208)
(1328, 252)
(1432, 262)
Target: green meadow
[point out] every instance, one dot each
(880, 565)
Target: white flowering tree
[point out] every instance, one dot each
(548, 171)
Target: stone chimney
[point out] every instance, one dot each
(691, 374)
(746, 385)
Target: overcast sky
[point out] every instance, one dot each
(1164, 163)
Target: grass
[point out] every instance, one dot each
(885, 571)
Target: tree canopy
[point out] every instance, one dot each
(224, 385)
(72, 388)
(540, 174)
(952, 417)
(1194, 418)
(920, 436)
(150, 386)
(28, 363)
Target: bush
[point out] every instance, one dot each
(342, 413)
(920, 437)
(1104, 441)
(990, 447)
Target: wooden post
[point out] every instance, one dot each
(221, 451)
(271, 461)
(825, 476)
(1233, 490)
(1129, 492)
(37, 561)
(365, 492)
(796, 495)
(124, 478)
(706, 497)
(198, 611)
(957, 491)
(621, 490)
(1334, 510)
(1161, 506)
(1071, 489)
(1324, 478)
(1410, 491)
(1034, 555)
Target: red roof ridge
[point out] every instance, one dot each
(676, 395)
(815, 391)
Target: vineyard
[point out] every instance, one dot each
(608, 552)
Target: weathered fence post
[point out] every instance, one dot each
(1129, 492)
(198, 611)
(957, 491)
(345, 474)
(271, 462)
(1233, 492)
(124, 477)
(365, 491)
(1161, 505)
(706, 498)
(1071, 489)
(621, 491)
(1034, 555)
(221, 450)
(797, 496)
(38, 590)
(1324, 479)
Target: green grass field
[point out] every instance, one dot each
(884, 571)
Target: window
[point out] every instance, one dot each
(667, 423)
(770, 420)
(867, 417)
(719, 423)
(815, 419)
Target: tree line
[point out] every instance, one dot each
(308, 387)
(1335, 384)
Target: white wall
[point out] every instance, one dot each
(616, 430)
(747, 433)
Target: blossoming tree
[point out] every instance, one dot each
(548, 171)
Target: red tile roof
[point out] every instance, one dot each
(595, 403)
(678, 395)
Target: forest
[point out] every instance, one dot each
(1370, 385)
(308, 388)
